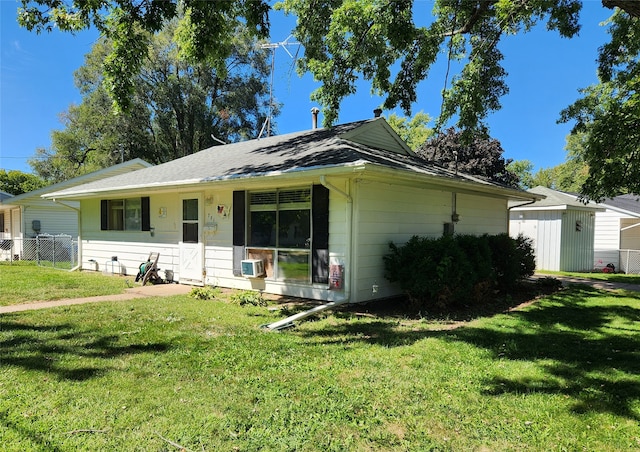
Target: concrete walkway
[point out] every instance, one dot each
(596, 284)
(158, 290)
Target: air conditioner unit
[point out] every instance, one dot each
(252, 268)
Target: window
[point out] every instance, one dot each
(288, 229)
(190, 220)
(281, 221)
(131, 214)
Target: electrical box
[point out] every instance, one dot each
(449, 228)
(35, 225)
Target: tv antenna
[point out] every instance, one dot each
(273, 46)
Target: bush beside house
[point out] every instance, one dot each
(454, 270)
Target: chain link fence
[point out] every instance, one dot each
(57, 251)
(630, 261)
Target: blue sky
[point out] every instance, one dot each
(545, 72)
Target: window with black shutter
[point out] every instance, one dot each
(130, 214)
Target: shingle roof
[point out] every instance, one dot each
(5, 195)
(557, 199)
(336, 147)
(630, 203)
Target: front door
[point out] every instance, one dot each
(191, 246)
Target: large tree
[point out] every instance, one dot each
(206, 34)
(382, 42)
(414, 131)
(480, 157)
(16, 182)
(176, 108)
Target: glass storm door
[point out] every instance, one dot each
(191, 248)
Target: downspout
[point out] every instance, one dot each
(288, 322)
(79, 266)
(513, 207)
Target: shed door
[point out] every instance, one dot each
(191, 246)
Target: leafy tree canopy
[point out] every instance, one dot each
(205, 35)
(523, 170)
(16, 182)
(608, 115)
(414, 131)
(383, 42)
(481, 157)
(176, 108)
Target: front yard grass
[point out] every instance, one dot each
(177, 372)
(25, 282)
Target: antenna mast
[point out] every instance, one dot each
(273, 46)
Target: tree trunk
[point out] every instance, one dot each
(631, 7)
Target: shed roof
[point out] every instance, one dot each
(369, 143)
(556, 200)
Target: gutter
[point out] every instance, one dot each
(289, 321)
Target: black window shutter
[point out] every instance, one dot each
(239, 221)
(104, 215)
(146, 214)
(320, 239)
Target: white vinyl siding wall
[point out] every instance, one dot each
(54, 220)
(606, 244)
(132, 247)
(577, 246)
(391, 213)
(380, 213)
(544, 227)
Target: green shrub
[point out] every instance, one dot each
(205, 293)
(513, 259)
(462, 269)
(248, 297)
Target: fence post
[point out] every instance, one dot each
(626, 269)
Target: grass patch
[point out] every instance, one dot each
(25, 282)
(561, 374)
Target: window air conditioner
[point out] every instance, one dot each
(252, 268)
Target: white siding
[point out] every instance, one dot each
(53, 220)
(390, 213)
(607, 238)
(577, 245)
(481, 215)
(380, 213)
(131, 247)
(545, 230)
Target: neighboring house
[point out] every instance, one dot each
(316, 209)
(4, 227)
(617, 238)
(27, 215)
(561, 227)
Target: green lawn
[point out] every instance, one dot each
(25, 282)
(160, 374)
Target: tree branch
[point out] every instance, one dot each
(475, 17)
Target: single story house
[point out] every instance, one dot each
(617, 238)
(561, 227)
(307, 214)
(27, 215)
